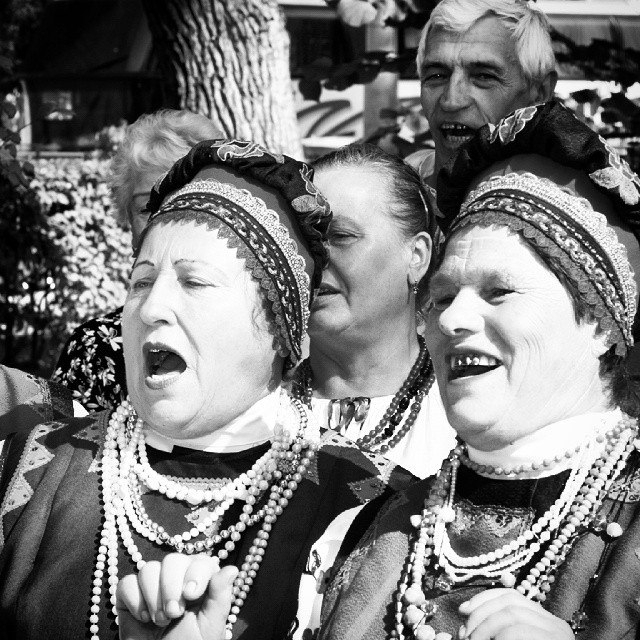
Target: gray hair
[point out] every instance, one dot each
(151, 145)
(527, 24)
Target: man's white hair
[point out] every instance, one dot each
(527, 24)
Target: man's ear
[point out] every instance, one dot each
(421, 248)
(543, 90)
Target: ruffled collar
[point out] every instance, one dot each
(252, 428)
(547, 443)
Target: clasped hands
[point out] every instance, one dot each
(505, 614)
(181, 598)
(189, 598)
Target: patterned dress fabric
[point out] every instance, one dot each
(26, 400)
(359, 602)
(51, 517)
(92, 363)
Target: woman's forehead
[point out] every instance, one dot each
(486, 251)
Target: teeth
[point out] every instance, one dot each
(456, 128)
(460, 361)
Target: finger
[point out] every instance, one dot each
(217, 604)
(172, 571)
(482, 597)
(129, 599)
(504, 619)
(149, 583)
(496, 605)
(525, 632)
(198, 575)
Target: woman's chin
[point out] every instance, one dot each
(168, 417)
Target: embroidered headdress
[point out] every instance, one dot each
(263, 204)
(548, 176)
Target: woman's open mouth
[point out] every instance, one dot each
(163, 365)
(462, 365)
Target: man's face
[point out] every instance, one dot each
(468, 80)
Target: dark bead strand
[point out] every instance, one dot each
(413, 389)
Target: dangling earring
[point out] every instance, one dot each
(413, 288)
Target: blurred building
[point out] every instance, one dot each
(91, 65)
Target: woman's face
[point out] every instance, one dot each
(138, 214)
(197, 351)
(508, 353)
(365, 284)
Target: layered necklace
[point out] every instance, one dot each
(127, 475)
(542, 547)
(401, 413)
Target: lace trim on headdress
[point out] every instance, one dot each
(270, 255)
(618, 177)
(569, 229)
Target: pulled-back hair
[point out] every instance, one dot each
(527, 25)
(151, 145)
(406, 203)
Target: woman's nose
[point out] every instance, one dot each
(463, 315)
(158, 306)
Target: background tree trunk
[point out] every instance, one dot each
(230, 62)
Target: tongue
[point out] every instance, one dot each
(168, 362)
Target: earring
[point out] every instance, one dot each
(413, 286)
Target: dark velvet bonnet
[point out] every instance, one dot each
(267, 207)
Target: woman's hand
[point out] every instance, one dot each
(181, 598)
(505, 614)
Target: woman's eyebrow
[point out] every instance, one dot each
(140, 263)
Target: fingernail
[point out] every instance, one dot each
(462, 633)
(145, 617)
(173, 608)
(161, 620)
(232, 578)
(190, 588)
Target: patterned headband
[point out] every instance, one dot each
(566, 227)
(270, 254)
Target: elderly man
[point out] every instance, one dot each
(479, 60)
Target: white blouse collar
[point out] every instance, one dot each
(548, 442)
(252, 428)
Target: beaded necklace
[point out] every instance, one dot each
(386, 434)
(601, 458)
(126, 474)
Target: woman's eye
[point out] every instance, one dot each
(137, 285)
(441, 302)
(499, 293)
(341, 237)
(194, 284)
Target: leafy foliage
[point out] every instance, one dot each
(70, 257)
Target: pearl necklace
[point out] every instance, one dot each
(601, 459)
(125, 470)
(384, 435)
